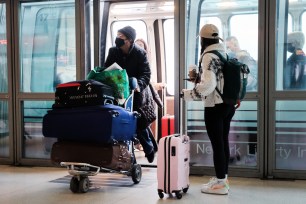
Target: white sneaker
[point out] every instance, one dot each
(215, 186)
(212, 178)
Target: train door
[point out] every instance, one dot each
(267, 136)
(287, 85)
(154, 24)
(246, 135)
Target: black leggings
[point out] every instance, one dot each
(217, 121)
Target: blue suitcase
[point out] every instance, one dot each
(103, 124)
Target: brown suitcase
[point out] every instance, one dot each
(116, 157)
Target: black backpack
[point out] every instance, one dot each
(235, 76)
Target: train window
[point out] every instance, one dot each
(289, 29)
(290, 57)
(244, 21)
(245, 46)
(138, 25)
(47, 51)
(303, 26)
(169, 52)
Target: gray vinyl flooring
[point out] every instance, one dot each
(36, 185)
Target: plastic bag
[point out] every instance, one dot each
(116, 78)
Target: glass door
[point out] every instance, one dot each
(6, 145)
(231, 18)
(287, 149)
(47, 56)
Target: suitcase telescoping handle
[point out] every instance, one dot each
(183, 136)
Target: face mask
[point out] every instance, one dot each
(290, 48)
(119, 42)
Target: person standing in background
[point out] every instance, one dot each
(153, 85)
(142, 43)
(294, 71)
(234, 51)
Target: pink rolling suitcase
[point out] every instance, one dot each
(173, 165)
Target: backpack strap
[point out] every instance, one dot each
(200, 63)
(219, 55)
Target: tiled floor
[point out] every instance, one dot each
(42, 185)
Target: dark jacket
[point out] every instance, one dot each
(135, 62)
(136, 65)
(294, 77)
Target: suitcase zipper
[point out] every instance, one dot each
(167, 156)
(169, 166)
(165, 163)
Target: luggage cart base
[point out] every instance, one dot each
(80, 183)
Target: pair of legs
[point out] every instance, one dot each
(217, 121)
(147, 142)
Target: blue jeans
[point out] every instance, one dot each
(145, 140)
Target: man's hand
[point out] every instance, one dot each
(237, 105)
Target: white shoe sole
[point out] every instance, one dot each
(218, 191)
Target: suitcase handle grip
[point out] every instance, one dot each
(114, 113)
(136, 114)
(108, 101)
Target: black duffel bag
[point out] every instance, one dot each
(83, 93)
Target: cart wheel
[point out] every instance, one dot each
(84, 184)
(185, 190)
(74, 184)
(178, 195)
(136, 173)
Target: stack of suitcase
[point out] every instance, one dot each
(89, 127)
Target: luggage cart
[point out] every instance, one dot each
(80, 171)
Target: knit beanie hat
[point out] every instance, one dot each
(297, 39)
(129, 32)
(210, 31)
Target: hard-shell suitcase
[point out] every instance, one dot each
(167, 125)
(104, 124)
(116, 157)
(82, 93)
(173, 165)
